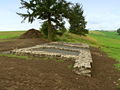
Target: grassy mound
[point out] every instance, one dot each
(107, 41)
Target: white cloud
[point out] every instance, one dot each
(108, 21)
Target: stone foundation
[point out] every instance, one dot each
(80, 53)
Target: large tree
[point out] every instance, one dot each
(52, 11)
(57, 29)
(77, 20)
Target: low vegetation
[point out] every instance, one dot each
(15, 56)
(108, 42)
(10, 34)
(30, 58)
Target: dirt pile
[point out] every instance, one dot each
(31, 33)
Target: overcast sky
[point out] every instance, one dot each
(100, 14)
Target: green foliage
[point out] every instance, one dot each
(59, 31)
(44, 29)
(77, 20)
(118, 31)
(51, 11)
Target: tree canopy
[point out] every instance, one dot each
(53, 12)
(118, 31)
(77, 20)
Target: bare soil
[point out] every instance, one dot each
(19, 43)
(32, 33)
(20, 74)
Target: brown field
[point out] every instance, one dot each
(20, 74)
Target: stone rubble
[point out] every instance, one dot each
(83, 61)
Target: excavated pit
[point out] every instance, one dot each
(80, 53)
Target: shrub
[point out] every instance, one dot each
(118, 31)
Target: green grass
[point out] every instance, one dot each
(10, 34)
(15, 56)
(109, 42)
(31, 58)
(73, 38)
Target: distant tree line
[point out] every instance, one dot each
(54, 13)
(118, 31)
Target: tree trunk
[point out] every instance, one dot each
(50, 31)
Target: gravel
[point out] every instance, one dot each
(63, 52)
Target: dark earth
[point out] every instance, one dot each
(38, 74)
(31, 33)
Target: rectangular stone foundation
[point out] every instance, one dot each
(80, 53)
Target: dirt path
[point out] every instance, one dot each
(17, 74)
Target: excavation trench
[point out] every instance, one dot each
(80, 53)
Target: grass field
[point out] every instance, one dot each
(10, 34)
(109, 42)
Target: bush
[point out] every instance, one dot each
(118, 31)
(79, 31)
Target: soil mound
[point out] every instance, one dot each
(31, 33)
